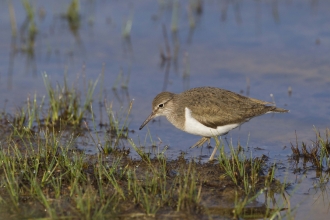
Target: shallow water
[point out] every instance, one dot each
(257, 49)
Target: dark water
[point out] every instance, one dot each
(255, 48)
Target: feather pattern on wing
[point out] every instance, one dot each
(217, 107)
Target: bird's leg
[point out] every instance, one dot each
(217, 144)
(201, 142)
(213, 153)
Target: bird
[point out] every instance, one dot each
(208, 111)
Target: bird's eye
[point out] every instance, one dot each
(161, 105)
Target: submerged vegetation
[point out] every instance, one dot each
(315, 157)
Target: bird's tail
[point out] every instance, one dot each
(280, 110)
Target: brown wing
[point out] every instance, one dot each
(215, 107)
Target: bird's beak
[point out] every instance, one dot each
(151, 116)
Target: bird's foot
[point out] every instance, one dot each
(201, 142)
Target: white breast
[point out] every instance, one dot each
(192, 126)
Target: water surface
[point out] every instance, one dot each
(255, 48)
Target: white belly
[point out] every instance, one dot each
(192, 126)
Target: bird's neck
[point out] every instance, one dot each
(174, 114)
